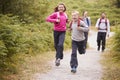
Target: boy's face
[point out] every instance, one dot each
(75, 16)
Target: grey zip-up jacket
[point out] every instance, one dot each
(78, 32)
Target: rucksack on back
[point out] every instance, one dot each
(88, 21)
(58, 16)
(101, 20)
(77, 24)
(100, 23)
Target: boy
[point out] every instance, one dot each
(78, 27)
(103, 27)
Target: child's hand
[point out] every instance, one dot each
(58, 20)
(79, 28)
(69, 29)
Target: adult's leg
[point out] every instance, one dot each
(99, 40)
(103, 40)
(74, 61)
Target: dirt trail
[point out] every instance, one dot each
(89, 66)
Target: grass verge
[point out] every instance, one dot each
(111, 63)
(30, 64)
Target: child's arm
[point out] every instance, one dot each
(83, 27)
(52, 18)
(70, 26)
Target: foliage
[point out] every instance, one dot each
(23, 29)
(16, 37)
(111, 59)
(27, 10)
(117, 40)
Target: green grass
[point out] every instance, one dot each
(34, 36)
(29, 64)
(111, 64)
(111, 58)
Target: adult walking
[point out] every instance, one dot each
(103, 27)
(59, 18)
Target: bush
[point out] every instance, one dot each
(117, 39)
(23, 29)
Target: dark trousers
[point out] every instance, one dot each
(101, 38)
(86, 39)
(76, 45)
(59, 37)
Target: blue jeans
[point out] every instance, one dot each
(76, 45)
(59, 37)
(86, 39)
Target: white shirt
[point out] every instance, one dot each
(103, 26)
(89, 21)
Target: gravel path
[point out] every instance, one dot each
(89, 67)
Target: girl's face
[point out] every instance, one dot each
(75, 16)
(61, 8)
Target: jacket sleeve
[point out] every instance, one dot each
(97, 23)
(89, 21)
(83, 27)
(52, 18)
(108, 26)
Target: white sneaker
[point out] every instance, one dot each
(57, 62)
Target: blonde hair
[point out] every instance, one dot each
(75, 12)
(84, 12)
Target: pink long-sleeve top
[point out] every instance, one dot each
(61, 26)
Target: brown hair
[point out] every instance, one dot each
(56, 8)
(103, 13)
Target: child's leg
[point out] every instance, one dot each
(86, 39)
(81, 48)
(60, 46)
(74, 61)
(56, 40)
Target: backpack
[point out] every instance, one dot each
(78, 22)
(100, 23)
(88, 21)
(58, 17)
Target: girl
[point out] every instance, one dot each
(87, 21)
(59, 18)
